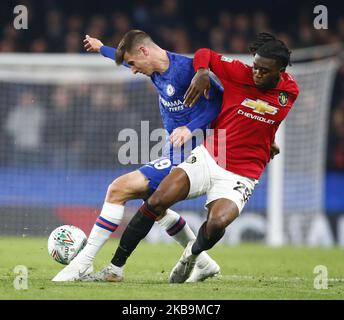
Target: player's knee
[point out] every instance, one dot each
(217, 223)
(156, 203)
(221, 214)
(117, 191)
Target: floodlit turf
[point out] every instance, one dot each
(249, 271)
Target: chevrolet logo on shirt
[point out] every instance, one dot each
(259, 106)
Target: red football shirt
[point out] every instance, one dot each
(249, 116)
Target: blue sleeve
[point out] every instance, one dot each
(109, 52)
(210, 112)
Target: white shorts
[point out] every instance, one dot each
(207, 177)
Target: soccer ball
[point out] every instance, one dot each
(65, 243)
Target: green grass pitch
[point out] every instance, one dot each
(249, 271)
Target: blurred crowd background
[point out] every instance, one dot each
(59, 26)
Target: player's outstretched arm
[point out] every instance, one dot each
(200, 85)
(95, 45)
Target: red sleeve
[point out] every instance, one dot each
(201, 59)
(223, 67)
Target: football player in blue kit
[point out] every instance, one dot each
(171, 75)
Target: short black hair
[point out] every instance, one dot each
(267, 46)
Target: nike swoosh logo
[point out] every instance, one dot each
(82, 274)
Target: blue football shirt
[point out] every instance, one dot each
(171, 87)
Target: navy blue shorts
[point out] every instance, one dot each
(155, 171)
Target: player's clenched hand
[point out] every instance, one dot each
(92, 44)
(180, 135)
(274, 150)
(200, 85)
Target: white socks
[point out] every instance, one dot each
(107, 222)
(176, 227)
(111, 216)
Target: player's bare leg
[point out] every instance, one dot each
(136, 230)
(133, 185)
(124, 188)
(173, 188)
(169, 220)
(203, 265)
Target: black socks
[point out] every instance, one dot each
(203, 241)
(137, 229)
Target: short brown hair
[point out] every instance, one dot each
(129, 40)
